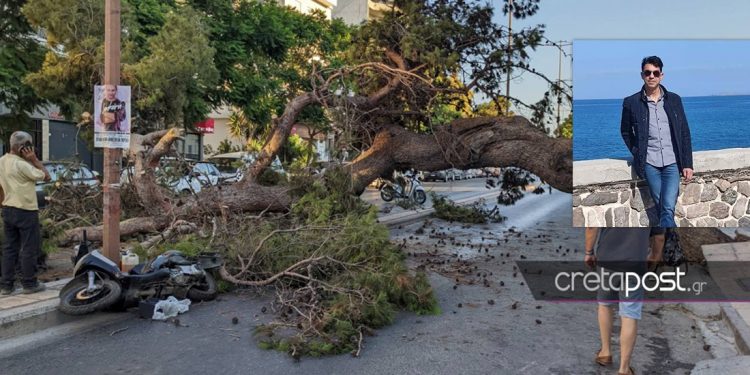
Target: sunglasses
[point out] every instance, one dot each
(647, 73)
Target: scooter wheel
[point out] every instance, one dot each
(387, 193)
(75, 300)
(205, 291)
(420, 197)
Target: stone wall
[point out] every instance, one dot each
(607, 194)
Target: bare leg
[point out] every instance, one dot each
(628, 333)
(605, 329)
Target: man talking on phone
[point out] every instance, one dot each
(19, 171)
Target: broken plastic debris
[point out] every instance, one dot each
(170, 307)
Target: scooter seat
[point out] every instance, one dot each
(137, 269)
(180, 261)
(150, 277)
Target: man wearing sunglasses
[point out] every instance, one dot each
(656, 132)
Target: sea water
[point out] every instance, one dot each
(716, 122)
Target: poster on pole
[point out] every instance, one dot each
(112, 116)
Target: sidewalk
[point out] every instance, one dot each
(736, 314)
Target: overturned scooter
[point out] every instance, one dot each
(99, 283)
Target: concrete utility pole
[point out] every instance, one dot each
(510, 49)
(559, 82)
(112, 156)
(560, 45)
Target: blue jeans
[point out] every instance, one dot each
(664, 183)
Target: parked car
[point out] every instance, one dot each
(439, 176)
(66, 173)
(232, 165)
(207, 173)
(458, 174)
(474, 173)
(182, 177)
(492, 172)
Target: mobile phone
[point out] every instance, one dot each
(26, 146)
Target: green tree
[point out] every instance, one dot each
(566, 128)
(264, 56)
(165, 56)
(184, 57)
(74, 59)
(492, 108)
(20, 53)
(174, 79)
(439, 39)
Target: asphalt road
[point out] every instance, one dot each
(476, 338)
(452, 189)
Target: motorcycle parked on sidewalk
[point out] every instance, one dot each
(99, 283)
(410, 188)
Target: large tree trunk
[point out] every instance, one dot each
(283, 125)
(146, 151)
(466, 144)
(279, 135)
(219, 199)
(127, 228)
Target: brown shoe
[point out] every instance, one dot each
(605, 360)
(630, 372)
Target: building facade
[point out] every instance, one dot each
(56, 138)
(308, 6)
(354, 12)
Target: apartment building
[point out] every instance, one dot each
(354, 12)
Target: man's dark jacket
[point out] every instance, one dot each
(634, 129)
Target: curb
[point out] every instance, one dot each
(738, 326)
(22, 327)
(27, 318)
(55, 333)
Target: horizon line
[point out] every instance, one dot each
(682, 96)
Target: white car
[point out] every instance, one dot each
(188, 178)
(231, 165)
(207, 173)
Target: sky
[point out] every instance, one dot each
(574, 20)
(610, 69)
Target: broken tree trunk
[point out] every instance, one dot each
(466, 144)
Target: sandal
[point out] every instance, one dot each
(602, 360)
(632, 372)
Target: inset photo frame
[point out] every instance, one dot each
(661, 133)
